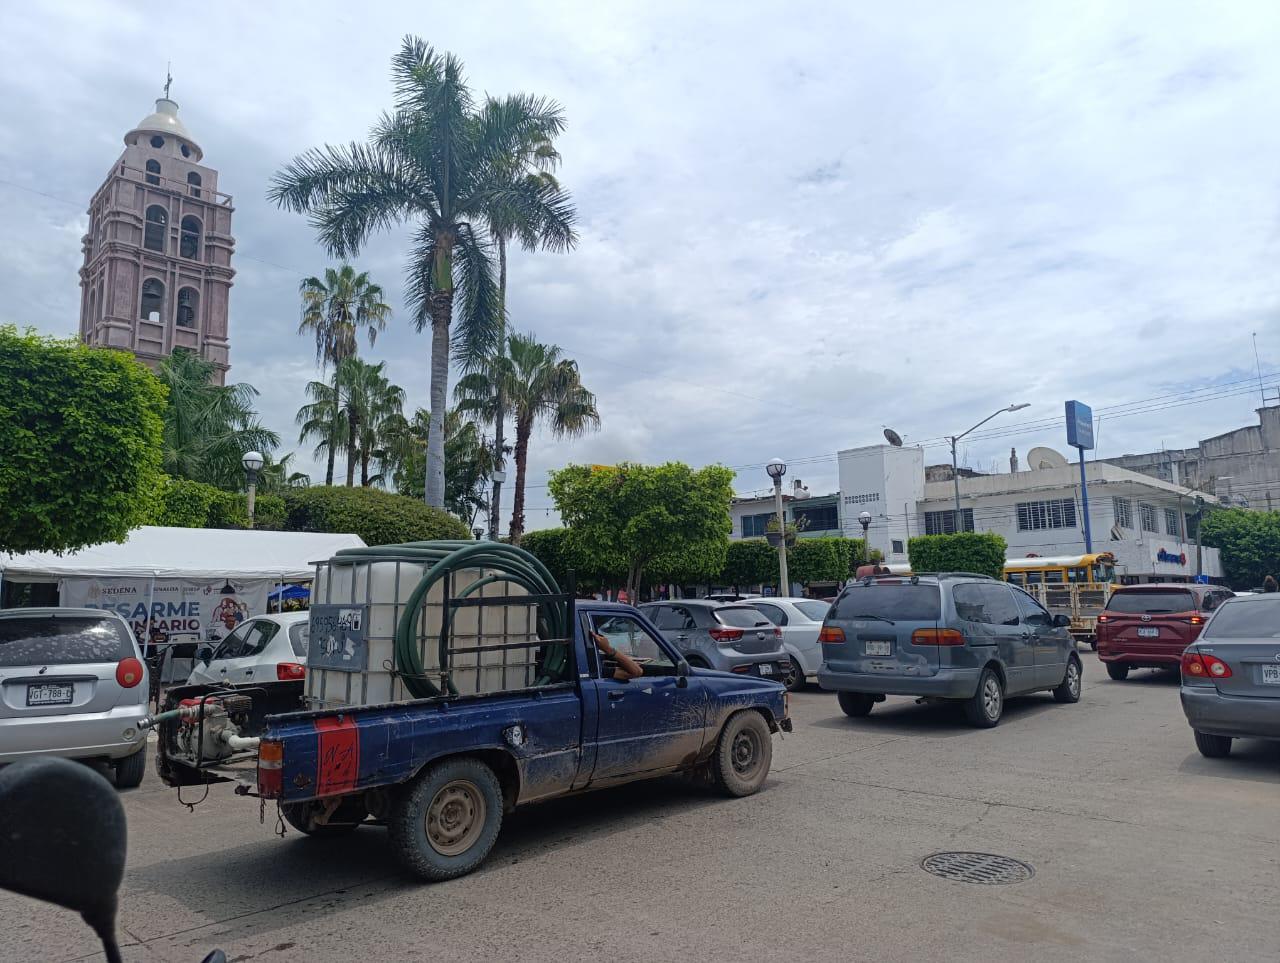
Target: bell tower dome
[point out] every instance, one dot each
(157, 259)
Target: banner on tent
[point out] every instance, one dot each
(181, 610)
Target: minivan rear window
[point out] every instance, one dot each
(1152, 602)
(741, 616)
(901, 602)
(62, 640)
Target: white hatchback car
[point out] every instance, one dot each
(266, 648)
(800, 621)
(72, 684)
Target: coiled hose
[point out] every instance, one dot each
(508, 563)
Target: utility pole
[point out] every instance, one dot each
(776, 469)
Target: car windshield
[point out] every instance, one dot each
(1245, 620)
(814, 609)
(741, 617)
(62, 640)
(299, 633)
(1152, 602)
(895, 601)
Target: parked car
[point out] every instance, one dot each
(965, 638)
(1231, 675)
(732, 637)
(1149, 626)
(267, 648)
(800, 620)
(72, 684)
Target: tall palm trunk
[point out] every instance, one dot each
(364, 468)
(495, 497)
(333, 435)
(524, 428)
(352, 452)
(441, 308)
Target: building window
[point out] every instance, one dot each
(1147, 515)
(1123, 509)
(152, 299)
(944, 523)
(186, 152)
(896, 546)
(753, 526)
(157, 141)
(153, 172)
(189, 239)
(193, 179)
(821, 518)
(188, 304)
(153, 234)
(1171, 525)
(1055, 513)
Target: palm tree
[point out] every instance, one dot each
(439, 162)
(469, 461)
(537, 381)
(374, 408)
(322, 421)
(334, 310)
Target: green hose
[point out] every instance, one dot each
(444, 557)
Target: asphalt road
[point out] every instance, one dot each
(1141, 850)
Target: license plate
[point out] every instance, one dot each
(45, 694)
(766, 668)
(1148, 633)
(1271, 674)
(878, 648)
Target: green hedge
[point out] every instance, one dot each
(982, 553)
(191, 504)
(753, 561)
(379, 517)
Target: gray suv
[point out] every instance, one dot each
(732, 637)
(960, 637)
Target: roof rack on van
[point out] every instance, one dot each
(941, 575)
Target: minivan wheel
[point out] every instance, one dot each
(1213, 747)
(794, 677)
(856, 704)
(986, 706)
(1118, 671)
(1068, 689)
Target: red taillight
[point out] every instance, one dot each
(1195, 620)
(937, 637)
(270, 769)
(725, 635)
(129, 672)
(290, 671)
(741, 668)
(1201, 665)
(831, 635)
(777, 633)
(1103, 619)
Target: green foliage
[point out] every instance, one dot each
(269, 513)
(467, 462)
(982, 553)
(819, 560)
(552, 547)
(80, 443)
(751, 561)
(379, 517)
(666, 519)
(190, 504)
(1249, 542)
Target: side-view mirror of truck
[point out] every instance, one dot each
(682, 674)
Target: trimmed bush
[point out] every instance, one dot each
(191, 504)
(818, 560)
(982, 553)
(553, 548)
(751, 561)
(379, 517)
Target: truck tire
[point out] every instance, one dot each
(743, 754)
(856, 704)
(986, 706)
(131, 769)
(445, 822)
(301, 816)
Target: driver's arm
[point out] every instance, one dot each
(628, 668)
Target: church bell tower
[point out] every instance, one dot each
(157, 259)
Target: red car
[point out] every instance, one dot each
(1148, 626)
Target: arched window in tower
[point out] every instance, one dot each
(152, 299)
(157, 225)
(194, 180)
(153, 172)
(188, 307)
(189, 240)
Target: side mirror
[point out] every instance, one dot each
(682, 674)
(1062, 621)
(204, 654)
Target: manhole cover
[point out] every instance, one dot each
(985, 868)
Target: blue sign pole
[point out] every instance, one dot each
(1080, 437)
(1084, 504)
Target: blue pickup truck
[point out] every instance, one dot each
(441, 772)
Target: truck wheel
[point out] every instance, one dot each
(743, 754)
(1068, 689)
(131, 769)
(986, 706)
(446, 821)
(1118, 671)
(302, 817)
(856, 704)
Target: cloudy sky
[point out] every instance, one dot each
(799, 223)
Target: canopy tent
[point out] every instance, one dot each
(289, 592)
(190, 553)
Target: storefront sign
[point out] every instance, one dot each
(180, 610)
(1170, 559)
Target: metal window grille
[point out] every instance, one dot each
(1147, 514)
(1171, 525)
(1123, 509)
(1055, 513)
(944, 523)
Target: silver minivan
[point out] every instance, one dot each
(960, 637)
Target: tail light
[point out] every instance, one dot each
(1104, 619)
(129, 672)
(725, 635)
(937, 637)
(1195, 620)
(1202, 665)
(290, 671)
(740, 669)
(270, 769)
(777, 633)
(831, 635)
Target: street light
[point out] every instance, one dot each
(252, 462)
(477, 532)
(497, 476)
(955, 470)
(776, 469)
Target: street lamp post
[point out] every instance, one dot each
(497, 476)
(776, 469)
(252, 462)
(955, 470)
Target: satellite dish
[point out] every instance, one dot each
(1039, 459)
(893, 438)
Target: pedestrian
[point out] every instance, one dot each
(1269, 584)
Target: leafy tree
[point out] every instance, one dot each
(982, 553)
(632, 516)
(750, 561)
(535, 381)
(335, 309)
(379, 517)
(1249, 542)
(552, 547)
(468, 462)
(208, 428)
(818, 560)
(441, 163)
(81, 433)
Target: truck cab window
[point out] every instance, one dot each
(627, 635)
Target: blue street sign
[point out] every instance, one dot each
(1079, 425)
(1202, 580)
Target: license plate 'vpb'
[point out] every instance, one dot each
(48, 694)
(878, 648)
(1271, 674)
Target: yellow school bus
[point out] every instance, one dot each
(1074, 585)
